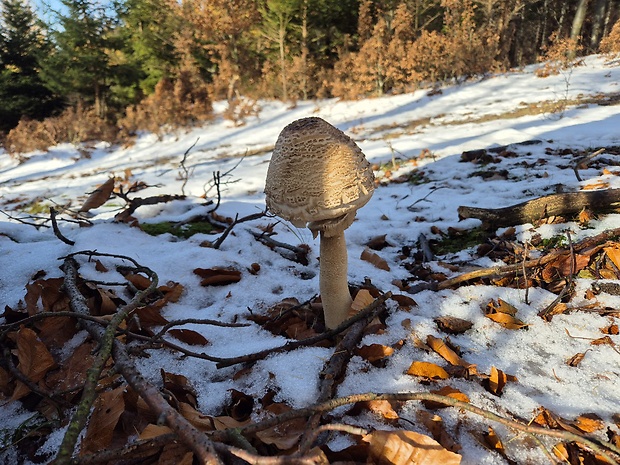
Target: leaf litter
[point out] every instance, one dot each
(447, 343)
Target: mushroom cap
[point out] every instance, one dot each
(317, 175)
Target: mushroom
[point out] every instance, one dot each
(318, 177)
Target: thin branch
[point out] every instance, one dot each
(188, 434)
(224, 235)
(57, 232)
(583, 162)
(186, 172)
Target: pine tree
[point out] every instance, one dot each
(80, 66)
(22, 44)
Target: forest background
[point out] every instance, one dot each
(104, 71)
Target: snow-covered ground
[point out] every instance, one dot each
(446, 124)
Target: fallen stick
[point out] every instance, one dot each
(571, 203)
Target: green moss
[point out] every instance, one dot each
(554, 242)
(183, 231)
(460, 240)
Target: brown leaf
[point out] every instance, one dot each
(440, 347)
(576, 359)
(72, 373)
(613, 253)
(34, 360)
(180, 387)
(403, 301)
(406, 448)
(140, 282)
(603, 341)
(496, 382)
(99, 196)
(503, 314)
(100, 267)
(382, 408)
(375, 260)
(427, 370)
(189, 337)
(434, 424)
(446, 391)
(453, 325)
(378, 242)
(152, 431)
(491, 441)
(501, 307)
(108, 408)
(564, 265)
(363, 299)
(612, 329)
(374, 352)
(589, 423)
(199, 420)
(240, 406)
(218, 276)
(172, 291)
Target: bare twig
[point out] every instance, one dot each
(301, 253)
(583, 162)
(195, 440)
(57, 232)
(224, 235)
(186, 171)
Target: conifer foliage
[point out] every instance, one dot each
(156, 64)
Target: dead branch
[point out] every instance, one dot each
(301, 253)
(57, 232)
(362, 314)
(224, 235)
(600, 447)
(332, 372)
(186, 171)
(505, 270)
(135, 451)
(571, 203)
(583, 162)
(194, 439)
(136, 202)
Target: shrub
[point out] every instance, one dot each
(610, 45)
(559, 55)
(183, 101)
(74, 125)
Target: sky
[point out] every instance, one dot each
(425, 133)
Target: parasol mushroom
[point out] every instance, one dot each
(318, 177)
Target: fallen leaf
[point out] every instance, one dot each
(503, 314)
(427, 370)
(108, 408)
(496, 382)
(446, 391)
(189, 336)
(197, 419)
(403, 301)
(152, 431)
(383, 408)
(99, 196)
(140, 282)
(180, 387)
(606, 340)
(34, 360)
(612, 329)
(453, 325)
(240, 406)
(613, 253)
(493, 442)
(407, 448)
(378, 242)
(501, 307)
(374, 352)
(434, 424)
(363, 299)
(589, 423)
(375, 260)
(576, 359)
(440, 347)
(218, 276)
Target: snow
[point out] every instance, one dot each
(536, 356)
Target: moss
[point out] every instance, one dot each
(461, 240)
(183, 231)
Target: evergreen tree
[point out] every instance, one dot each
(80, 66)
(22, 44)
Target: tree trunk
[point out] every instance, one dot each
(304, 49)
(578, 20)
(282, 39)
(598, 23)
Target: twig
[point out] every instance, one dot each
(599, 447)
(226, 362)
(135, 451)
(57, 232)
(585, 160)
(136, 202)
(217, 180)
(224, 235)
(300, 252)
(524, 268)
(186, 172)
(195, 440)
(105, 339)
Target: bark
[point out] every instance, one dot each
(598, 23)
(578, 20)
(543, 207)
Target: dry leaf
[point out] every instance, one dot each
(403, 301)
(362, 300)
(34, 360)
(427, 370)
(382, 408)
(576, 359)
(189, 336)
(440, 347)
(99, 196)
(108, 409)
(503, 313)
(589, 423)
(446, 391)
(152, 431)
(611, 329)
(434, 424)
(140, 282)
(613, 253)
(496, 382)
(453, 325)
(180, 387)
(375, 259)
(197, 419)
(218, 276)
(603, 341)
(374, 352)
(378, 242)
(407, 448)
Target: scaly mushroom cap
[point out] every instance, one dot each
(317, 175)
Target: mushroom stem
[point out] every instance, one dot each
(333, 279)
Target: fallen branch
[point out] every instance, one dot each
(571, 203)
(190, 436)
(499, 271)
(136, 202)
(301, 253)
(224, 235)
(57, 232)
(583, 162)
(600, 447)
